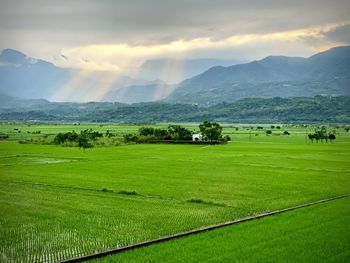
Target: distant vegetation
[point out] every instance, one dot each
(211, 132)
(321, 134)
(319, 109)
(82, 140)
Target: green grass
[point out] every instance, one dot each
(319, 233)
(59, 202)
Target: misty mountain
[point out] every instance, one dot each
(9, 102)
(274, 76)
(177, 70)
(29, 78)
(25, 77)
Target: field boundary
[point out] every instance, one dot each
(196, 231)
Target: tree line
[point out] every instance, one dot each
(321, 134)
(83, 140)
(319, 109)
(210, 132)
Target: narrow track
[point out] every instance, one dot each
(196, 231)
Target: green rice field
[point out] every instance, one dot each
(62, 202)
(281, 238)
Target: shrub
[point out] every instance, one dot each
(62, 138)
(226, 138)
(148, 138)
(130, 138)
(3, 136)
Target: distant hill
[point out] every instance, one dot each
(177, 70)
(319, 109)
(274, 76)
(9, 102)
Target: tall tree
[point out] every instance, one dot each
(211, 131)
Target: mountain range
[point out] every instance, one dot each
(25, 77)
(29, 78)
(325, 73)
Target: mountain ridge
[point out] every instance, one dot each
(175, 70)
(323, 73)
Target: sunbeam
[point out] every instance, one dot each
(87, 85)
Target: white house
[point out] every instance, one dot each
(197, 137)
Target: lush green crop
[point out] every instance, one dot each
(59, 202)
(313, 234)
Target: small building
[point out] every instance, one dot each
(197, 137)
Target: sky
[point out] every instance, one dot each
(118, 35)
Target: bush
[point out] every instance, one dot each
(144, 131)
(167, 137)
(3, 136)
(148, 138)
(226, 138)
(62, 138)
(130, 138)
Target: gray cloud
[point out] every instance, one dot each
(44, 26)
(339, 34)
(154, 21)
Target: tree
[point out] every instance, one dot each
(83, 141)
(144, 131)
(226, 138)
(331, 137)
(321, 134)
(311, 137)
(210, 131)
(179, 133)
(60, 138)
(268, 132)
(160, 133)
